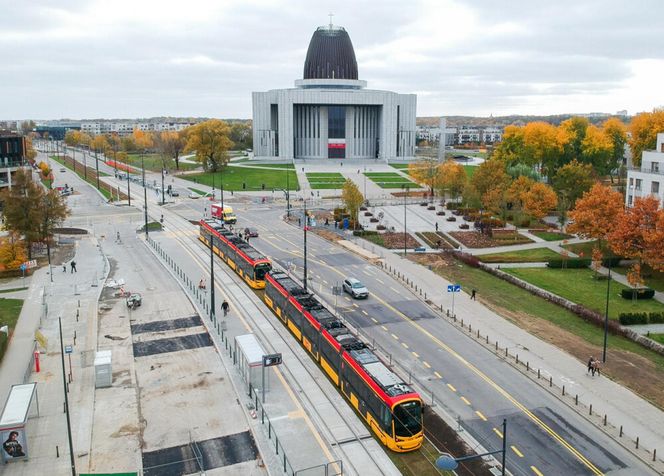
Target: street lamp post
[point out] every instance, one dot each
(128, 182)
(145, 197)
(287, 193)
(221, 186)
(163, 197)
(365, 185)
(64, 383)
(405, 235)
(449, 463)
(212, 308)
(97, 169)
(85, 167)
(606, 314)
(213, 194)
(305, 244)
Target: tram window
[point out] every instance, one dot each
(385, 418)
(261, 270)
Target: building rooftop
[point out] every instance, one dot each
(330, 55)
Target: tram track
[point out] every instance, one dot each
(346, 445)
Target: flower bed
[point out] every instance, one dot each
(474, 239)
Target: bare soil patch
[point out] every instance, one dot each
(475, 239)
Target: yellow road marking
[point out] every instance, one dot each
(438, 375)
(355, 305)
(365, 312)
(498, 432)
(516, 450)
(404, 344)
(536, 471)
(417, 356)
(451, 387)
(534, 418)
(384, 328)
(481, 415)
(465, 400)
(426, 364)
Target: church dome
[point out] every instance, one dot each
(330, 55)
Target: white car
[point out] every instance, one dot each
(355, 288)
(194, 195)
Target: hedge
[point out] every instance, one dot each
(645, 293)
(631, 318)
(364, 232)
(569, 263)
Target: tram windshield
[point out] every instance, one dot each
(408, 419)
(260, 270)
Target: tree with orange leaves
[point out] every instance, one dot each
(425, 171)
(644, 128)
(143, 140)
(654, 255)
(632, 236)
(596, 212)
(539, 200)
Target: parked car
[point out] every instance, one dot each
(175, 193)
(251, 232)
(62, 169)
(355, 288)
(194, 195)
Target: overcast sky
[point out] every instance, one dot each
(143, 58)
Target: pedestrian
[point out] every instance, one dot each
(436, 226)
(327, 222)
(590, 363)
(299, 222)
(336, 224)
(161, 220)
(73, 266)
(596, 365)
(472, 295)
(201, 284)
(64, 267)
(438, 243)
(224, 307)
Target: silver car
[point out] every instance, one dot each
(355, 288)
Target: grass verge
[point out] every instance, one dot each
(657, 337)
(10, 309)
(578, 285)
(551, 235)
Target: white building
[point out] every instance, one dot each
(491, 135)
(329, 114)
(125, 128)
(468, 135)
(649, 178)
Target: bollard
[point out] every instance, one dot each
(550, 381)
(487, 338)
(57, 451)
(505, 351)
(576, 399)
(517, 359)
(621, 431)
(605, 419)
(563, 390)
(496, 346)
(478, 333)
(637, 442)
(590, 412)
(448, 311)
(441, 310)
(527, 366)
(79, 303)
(538, 374)
(462, 323)
(470, 328)
(654, 454)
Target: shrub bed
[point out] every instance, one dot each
(440, 213)
(645, 293)
(631, 318)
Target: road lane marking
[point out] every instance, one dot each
(380, 281)
(536, 471)
(516, 450)
(417, 356)
(395, 290)
(325, 282)
(404, 344)
(384, 328)
(498, 432)
(426, 364)
(438, 375)
(355, 305)
(451, 387)
(481, 415)
(395, 336)
(366, 273)
(374, 319)
(365, 312)
(465, 400)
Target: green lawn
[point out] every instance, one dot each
(390, 180)
(253, 179)
(552, 235)
(657, 337)
(154, 162)
(272, 166)
(523, 256)
(578, 286)
(653, 279)
(586, 248)
(10, 309)
(498, 292)
(322, 180)
(195, 190)
(470, 169)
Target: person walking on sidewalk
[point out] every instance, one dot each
(73, 266)
(64, 267)
(224, 307)
(472, 295)
(590, 364)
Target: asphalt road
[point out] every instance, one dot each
(544, 435)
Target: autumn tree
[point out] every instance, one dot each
(571, 182)
(516, 194)
(635, 227)
(539, 200)
(30, 152)
(643, 129)
(542, 146)
(12, 251)
(452, 178)
(20, 210)
(572, 133)
(99, 144)
(596, 212)
(489, 175)
(142, 139)
(171, 144)
(425, 171)
(53, 211)
(511, 149)
(241, 135)
(211, 142)
(654, 241)
(597, 150)
(352, 198)
(616, 131)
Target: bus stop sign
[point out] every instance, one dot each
(271, 359)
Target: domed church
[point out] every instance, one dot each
(330, 114)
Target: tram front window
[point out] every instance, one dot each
(260, 270)
(407, 419)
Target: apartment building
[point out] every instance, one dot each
(12, 156)
(649, 178)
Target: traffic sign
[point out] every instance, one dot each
(453, 288)
(69, 349)
(30, 264)
(23, 267)
(271, 359)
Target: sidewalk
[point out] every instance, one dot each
(623, 407)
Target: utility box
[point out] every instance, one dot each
(103, 369)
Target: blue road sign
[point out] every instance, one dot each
(457, 288)
(69, 349)
(453, 288)
(23, 267)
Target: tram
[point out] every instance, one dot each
(248, 263)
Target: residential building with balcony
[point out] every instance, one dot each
(12, 156)
(649, 178)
